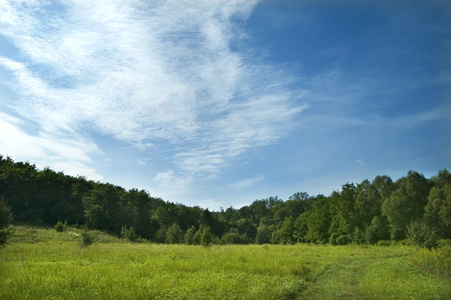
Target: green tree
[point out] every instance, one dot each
(206, 236)
(247, 228)
(301, 227)
(406, 204)
(343, 215)
(103, 208)
(377, 230)
(443, 177)
(160, 235)
(438, 210)
(234, 237)
(140, 212)
(319, 220)
(174, 234)
(286, 231)
(189, 235)
(263, 235)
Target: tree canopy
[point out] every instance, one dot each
(363, 212)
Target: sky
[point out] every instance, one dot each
(217, 103)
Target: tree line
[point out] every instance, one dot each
(412, 207)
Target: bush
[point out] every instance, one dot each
(422, 235)
(444, 243)
(234, 238)
(60, 226)
(384, 243)
(206, 236)
(339, 239)
(86, 239)
(129, 234)
(434, 261)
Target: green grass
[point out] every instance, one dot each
(44, 264)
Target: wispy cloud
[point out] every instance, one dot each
(245, 183)
(147, 73)
(70, 153)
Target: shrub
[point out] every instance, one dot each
(129, 234)
(86, 239)
(234, 238)
(383, 243)
(434, 261)
(339, 239)
(206, 236)
(422, 235)
(60, 226)
(444, 243)
(342, 240)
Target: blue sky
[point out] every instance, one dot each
(217, 103)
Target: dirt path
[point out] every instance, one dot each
(339, 281)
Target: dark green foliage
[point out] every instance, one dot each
(301, 228)
(246, 228)
(318, 221)
(174, 234)
(377, 230)
(406, 204)
(129, 234)
(6, 218)
(286, 231)
(206, 236)
(234, 237)
(438, 210)
(60, 226)
(87, 239)
(263, 235)
(384, 243)
(359, 236)
(189, 235)
(422, 234)
(365, 212)
(160, 235)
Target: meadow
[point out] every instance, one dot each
(45, 264)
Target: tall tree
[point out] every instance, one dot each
(286, 231)
(174, 234)
(438, 210)
(319, 220)
(102, 208)
(406, 204)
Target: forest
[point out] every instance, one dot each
(378, 211)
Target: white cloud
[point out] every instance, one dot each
(245, 183)
(172, 182)
(144, 73)
(68, 154)
(360, 162)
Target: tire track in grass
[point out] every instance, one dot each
(340, 281)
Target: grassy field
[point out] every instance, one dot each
(44, 264)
